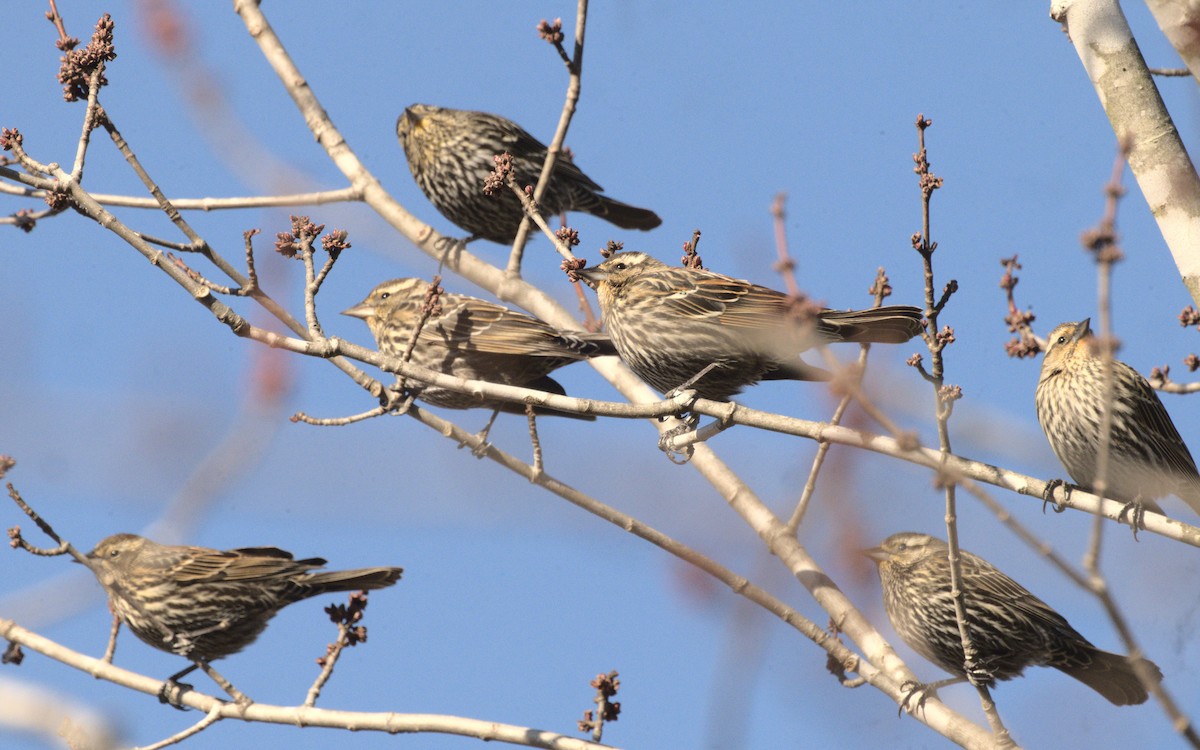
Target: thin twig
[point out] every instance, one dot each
(574, 66)
(880, 290)
(531, 415)
(340, 421)
(329, 661)
(531, 212)
(317, 198)
(110, 650)
(785, 265)
(943, 407)
(89, 119)
(212, 717)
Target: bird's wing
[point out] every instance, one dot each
(565, 169)
(713, 297)
(1017, 600)
(241, 564)
(1160, 431)
(520, 142)
(484, 326)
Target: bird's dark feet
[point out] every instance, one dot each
(481, 448)
(172, 690)
(171, 693)
(1048, 494)
(923, 691)
(448, 247)
(1134, 513)
(978, 673)
(918, 691)
(664, 441)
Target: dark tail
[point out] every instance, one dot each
(1112, 676)
(624, 215)
(881, 325)
(365, 579)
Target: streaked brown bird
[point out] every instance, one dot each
(670, 323)
(450, 153)
(205, 604)
(1147, 459)
(1010, 628)
(474, 339)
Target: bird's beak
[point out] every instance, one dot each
(406, 122)
(591, 275)
(361, 310)
(1083, 329)
(878, 554)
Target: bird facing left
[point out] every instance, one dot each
(474, 339)
(204, 604)
(451, 153)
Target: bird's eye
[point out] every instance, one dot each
(385, 295)
(1061, 340)
(114, 552)
(620, 266)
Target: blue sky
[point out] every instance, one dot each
(114, 386)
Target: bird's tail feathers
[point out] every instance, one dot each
(624, 215)
(894, 324)
(366, 579)
(1113, 676)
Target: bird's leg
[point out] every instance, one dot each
(693, 379)
(447, 245)
(978, 673)
(1048, 494)
(1136, 510)
(238, 696)
(689, 418)
(480, 450)
(172, 690)
(922, 691)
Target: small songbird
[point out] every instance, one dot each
(1147, 459)
(670, 323)
(1010, 628)
(451, 153)
(474, 339)
(204, 604)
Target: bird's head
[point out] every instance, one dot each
(1068, 342)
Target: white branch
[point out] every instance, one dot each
(392, 723)
(1163, 169)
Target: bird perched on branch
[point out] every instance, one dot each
(671, 323)
(474, 339)
(1147, 459)
(204, 604)
(1010, 628)
(451, 152)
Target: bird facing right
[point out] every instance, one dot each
(1010, 628)
(451, 153)
(474, 339)
(669, 323)
(1147, 457)
(205, 604)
